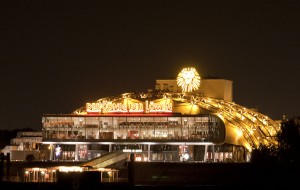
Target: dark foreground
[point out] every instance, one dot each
(146, 175)
(111, 186)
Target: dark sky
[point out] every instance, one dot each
(55, 55)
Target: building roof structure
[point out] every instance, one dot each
(243, 126)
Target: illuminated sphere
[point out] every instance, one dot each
(188, 79)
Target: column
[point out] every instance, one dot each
(149, 152)
(51, 152)
(109, 148)
(76, 152)
(205, 152)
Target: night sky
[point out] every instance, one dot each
(55, 55)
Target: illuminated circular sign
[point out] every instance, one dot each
(188, 79)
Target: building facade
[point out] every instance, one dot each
(24, 144)
(173, 122)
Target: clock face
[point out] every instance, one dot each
(188, 79)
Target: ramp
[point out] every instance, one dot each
(105, 160)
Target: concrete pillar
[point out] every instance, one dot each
(76, 152)
(33, 173)
(149, 152)
(51, 152)
(109, 148)
(205, 152)
(101, 176)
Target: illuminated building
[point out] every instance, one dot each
(196, 121)
(26, 143)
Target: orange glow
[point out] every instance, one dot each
(103, 107)
(188, 79)
(163, 106)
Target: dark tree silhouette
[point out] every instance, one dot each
(288, 149)
(264, 154)
(289, 141)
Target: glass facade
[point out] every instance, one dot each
(152, 138)
(206, 128)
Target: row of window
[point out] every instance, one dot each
(223, 153)
(208, 128)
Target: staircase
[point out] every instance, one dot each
(105, 160)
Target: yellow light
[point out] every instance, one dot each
(35, 169)
(70, 169)
(239, 133)
(188, 79)
(264, 122)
